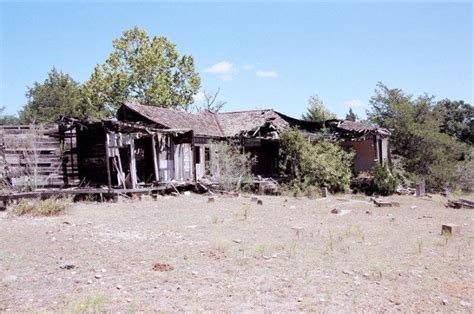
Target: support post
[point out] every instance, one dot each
(155, 157)
(133, 163)
(107, 160)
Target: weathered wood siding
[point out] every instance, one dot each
(32, 156)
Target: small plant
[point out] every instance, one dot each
(261, 248)
(92, 304)
(215, 220)
(48, 207)
(384, 183)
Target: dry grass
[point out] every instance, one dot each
(36, 207)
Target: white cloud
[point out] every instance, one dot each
(354, 103)
(224, 69)
(199, 96)
(248, 67)
(261, 73)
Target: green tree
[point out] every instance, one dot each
(316, 111)
(457, 119)
(58, 95)
(320, 164)
(427, 153)
(351, 116)
(7, 119)
(143, 69)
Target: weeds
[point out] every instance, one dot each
(48, 207)
(92, 304)
(261, 248)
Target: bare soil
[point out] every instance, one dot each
(185, 254)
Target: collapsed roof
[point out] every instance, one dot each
(239, 123)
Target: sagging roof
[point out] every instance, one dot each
(355, 129)
(226, 124)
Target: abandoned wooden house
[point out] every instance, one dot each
(256, 130)
(148, 146)
(369, 142)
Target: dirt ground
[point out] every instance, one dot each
(183, 253)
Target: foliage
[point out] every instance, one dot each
(351, 116)
(143, 69)
(230, 167)
(48, 207)
(457, 119)
(316, 111)
(321, 164)
(426, 152)
(6, 119)
(58, 95)
(384, 183)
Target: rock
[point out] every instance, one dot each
(464, 303)
(368, 212)
(300, 299)
(238, 241)
(129, 300)
(211, 199)
(68, 265)
(259, 202)
(118, 287)
(413, 207)
(335, 211)
(9, 279)
(266, 257)
(53, 239)
(103, 270)
(444, 302)
(187, 193)
(98, 276)
(89, 282)
(274, 256)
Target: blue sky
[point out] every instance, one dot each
(264, 55)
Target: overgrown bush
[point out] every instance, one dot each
(48, 207)
(321, 164)
(230, 167)
(384, 183)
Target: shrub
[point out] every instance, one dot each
(48, 207)
(322, 164)
(384, 183)
(230, 167)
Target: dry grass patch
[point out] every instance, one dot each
(37, 207)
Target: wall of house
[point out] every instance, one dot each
(37, 156)
(365, 154)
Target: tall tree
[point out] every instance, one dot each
(211, 101)
(7, 119)
(143, 69)
(351, 116)
(316, 111)
(427, 153)
(457, 119)
(58, 95)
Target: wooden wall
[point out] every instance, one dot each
(32, 156)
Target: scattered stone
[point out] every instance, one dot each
(98, 276)
(68, 265)
(129, 300)
(274, 256)
(238, 241)
(450, 229)
(118, 287)
(89, 282)
(413, 207)
(368, 212)
(300, 299)
(444, 302)
(187, 193)
(322, 300)
(53, 239)
(366, 275)
(162, 267)
(335, 211)
(103, 270)
(259, 202)
(464, 303)
(266, 257)
(211, 200)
